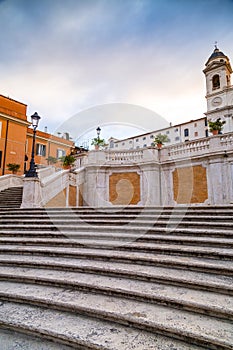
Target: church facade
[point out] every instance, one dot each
(219, 97)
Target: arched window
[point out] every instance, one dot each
(216, 82)
(111, 144)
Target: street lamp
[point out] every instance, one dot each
(98, 132)
(32, 170)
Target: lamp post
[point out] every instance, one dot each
(98, 132)
(32, 170)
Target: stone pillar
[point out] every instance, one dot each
(31, 193)
(150, 189)
(215, 182)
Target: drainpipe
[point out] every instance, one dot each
(5, 147)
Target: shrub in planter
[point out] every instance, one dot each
(13, 167)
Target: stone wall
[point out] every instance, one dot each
(124, 188)
(190, 185)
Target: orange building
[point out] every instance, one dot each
(13, 131)
(47, 146)
(16, 139)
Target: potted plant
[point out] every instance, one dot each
(217, 126)
(67, 161)
(160, 139)
(13, 167)
(51, 160)
(97, 142)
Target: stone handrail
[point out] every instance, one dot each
(53, 184)
(45, 172)
(10, 180)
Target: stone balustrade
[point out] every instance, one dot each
(178, 151)
(121, 157)
(10, 180)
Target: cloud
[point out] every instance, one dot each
(62, 57)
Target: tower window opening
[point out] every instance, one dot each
(216, 82)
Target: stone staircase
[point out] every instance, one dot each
(11, 197)
(117, 278)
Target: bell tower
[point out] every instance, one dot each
(219, 91)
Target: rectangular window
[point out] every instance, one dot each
(196, 133)
(206, 133)
(152, 136)
(195, 125)
(144, 138)
(40, 150)
(167, 132)
(186, 132)
(177, 138)
(137, 140)
(60, 153)
(130, 141)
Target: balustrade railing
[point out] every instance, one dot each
(124, 156)
(189, 148)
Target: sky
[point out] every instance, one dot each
(62, 58)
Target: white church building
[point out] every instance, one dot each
(219, 96)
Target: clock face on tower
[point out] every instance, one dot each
(216, 101)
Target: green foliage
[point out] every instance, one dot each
(68, 160)
(161, 139)
(13, 167)
(51, 160)
(217, 125)
(98, 142)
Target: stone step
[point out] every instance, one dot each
(121, 266)
(107, 262)
(83, 332)
(159, 211)
(66, 227)
(184, 296)
(14, 340)
(67, 223)
(11, 197)
(195, 251)
(76, 238)
(215, 333)
(114, 217)
(179, 262)
(118, 230)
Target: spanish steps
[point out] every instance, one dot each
(11, 197)
(116, 278)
